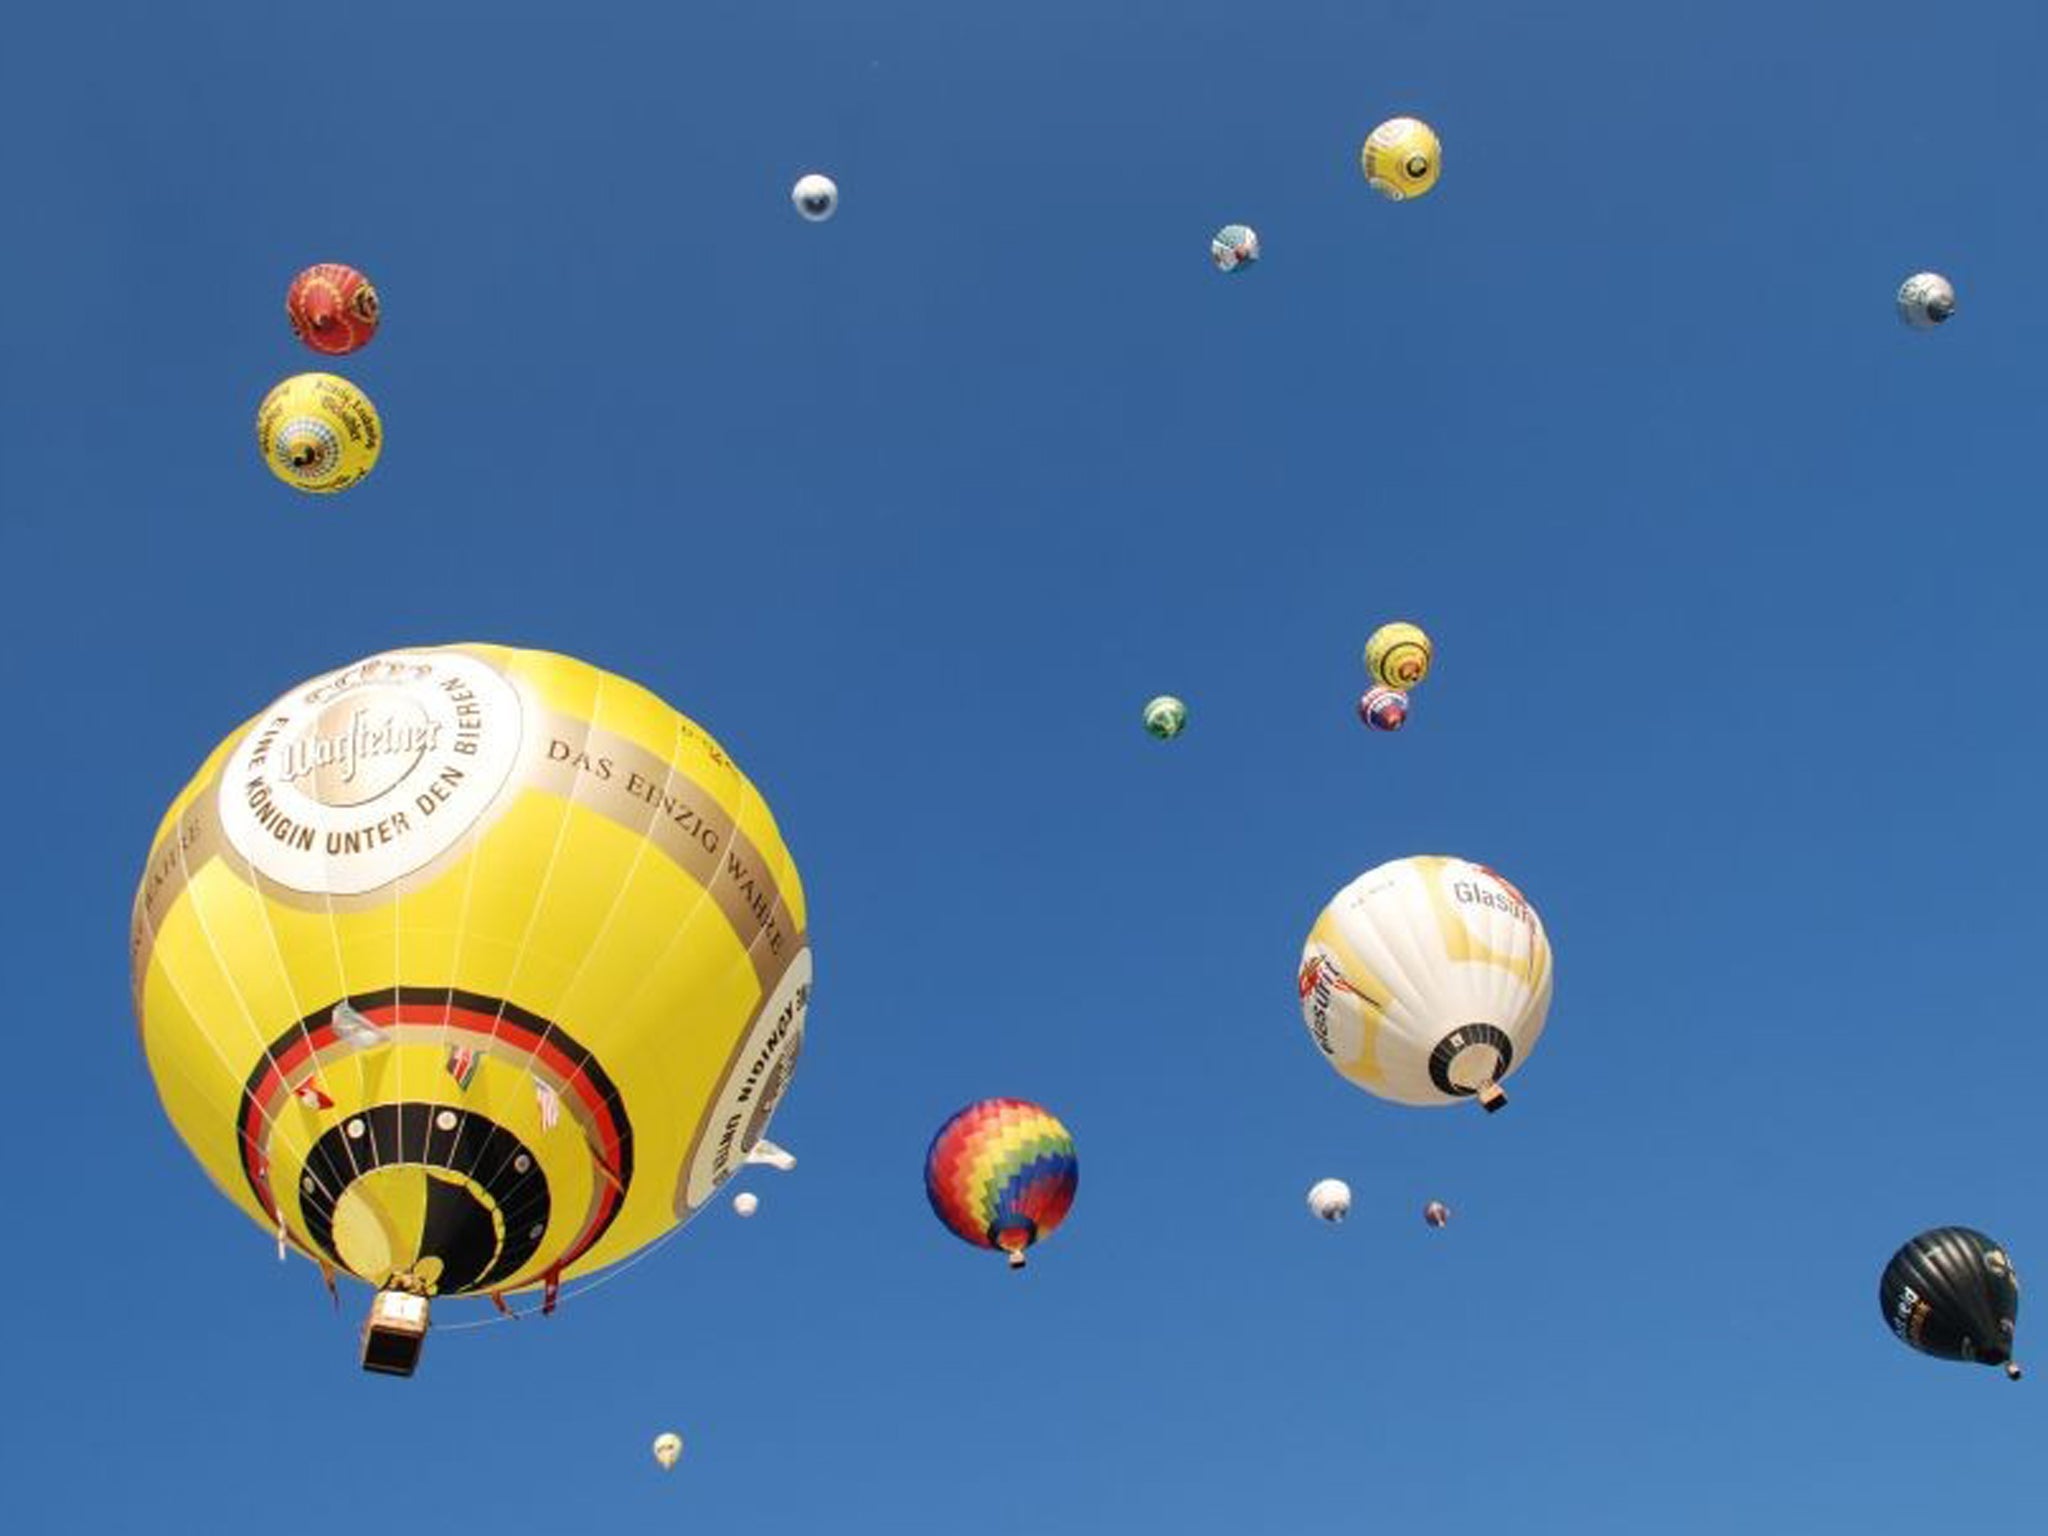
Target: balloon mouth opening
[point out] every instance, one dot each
(1470, 1061)
(1013, 1237)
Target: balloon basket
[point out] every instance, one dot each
(1492, 1099)
(394, 1333)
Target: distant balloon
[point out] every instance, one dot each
(746, 1202)
(1952, 1293)
(1436, 1213)
(332, 308)
(1002, 1174)
(1427, 981)
(816, 197)
(1166, 717)
(1398, 655)
(1234, 246)
(1926, 299)
(1383, 708)
(667, 1447)
(1402, 158)
(318, 432)
(1330, 1200)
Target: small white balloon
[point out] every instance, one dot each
(816, 197)
(667, 1447)
(1330, 1200)
(746, 1203)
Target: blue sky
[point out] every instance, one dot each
(1734, 586)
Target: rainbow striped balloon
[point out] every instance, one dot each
(1002, 1174)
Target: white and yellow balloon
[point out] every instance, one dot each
(1426, 981)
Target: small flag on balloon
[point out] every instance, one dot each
(462, 1063)
(550, 1104)
(309, 1094)
(280, 1240)
(355, 1031)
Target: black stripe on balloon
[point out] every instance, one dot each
(1464, 1037)
(519, 1027)
(476, 1251)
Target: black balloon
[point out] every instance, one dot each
(1951, 1292)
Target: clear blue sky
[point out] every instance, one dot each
(1734, 582)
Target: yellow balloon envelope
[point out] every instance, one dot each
(318, 432)
(1402, 158)
(1398, 654)
(469, 968)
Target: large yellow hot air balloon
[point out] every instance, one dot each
(468, 969)
(1426, 981)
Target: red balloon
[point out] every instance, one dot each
(332, 308)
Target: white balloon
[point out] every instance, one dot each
(667, 1447)
(816, 197)
(1427, 981)
(1330, 1199)
(746, 1202)
(1926, 299)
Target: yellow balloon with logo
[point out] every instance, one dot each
(1397, 655)
(468, 970)
(318, 432)
(1402, 158)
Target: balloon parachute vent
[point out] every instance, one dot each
(394, 1333)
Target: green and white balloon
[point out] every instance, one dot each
(1166, 717)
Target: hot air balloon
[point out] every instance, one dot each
(1926, 299)
(667, 1447)
(1398, 655)
(332, 308)
(408, 955)
(1402, 158)
(1329, 1200)
(1166, 717)
(318, 432)
(1383, 708)
(1426, 981)
(746, 1203)
(1234, 246)
(816, 197)
(1436, 1213)
(1002, 1174)
(1952, 1293)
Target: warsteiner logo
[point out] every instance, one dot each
(370, 773)
(756, 1077)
